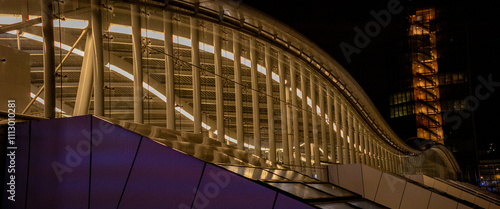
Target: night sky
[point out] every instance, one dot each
(329, 23)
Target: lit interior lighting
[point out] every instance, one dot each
(246, 62)
(66, 23)
(6, 19)
(335, 127)
(71, 23)
(342, 133)
(299, 93)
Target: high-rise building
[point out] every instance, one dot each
(419, 99)
(431, 83)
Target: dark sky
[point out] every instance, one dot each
(330, 22)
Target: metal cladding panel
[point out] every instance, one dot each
(20, 172)
(15, 77)
(161, 178)
(220, 188)
(59, 163)
(113, 152)
(285, 202)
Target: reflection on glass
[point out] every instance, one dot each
(336, 205)
(300, 190)
(254, 173)
(365, 204)
(332, 189)
(292, 175)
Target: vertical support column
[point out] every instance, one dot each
(367, 145)
(385, 158)
(350, 123)
(314, 117)
(255, 96)
(370, 148)
(135, 11)
(195, 61)
(394, 163)
(305, 122)
(383, 161)
(357, 140)
(345, 145)
(362, 140)
(378, 154)
(331, 121)
(338, 127)
(96, 20)
(390, 160)
(381, 156)
(289, 122)
(283, 109)
(295, 113)
(219, 97)
(84, 92)
(324, 142)
(270, 106)
(238, 90)
(373, 151)
(169, 69)
(49, 80)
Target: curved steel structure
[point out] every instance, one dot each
(216, 68)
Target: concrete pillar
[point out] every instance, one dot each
(219, 86)
(294, 108)
(49, 79)
(96, 23)
(195, 70)
(270, 105)
(324, 141)
(135, 11)
(344, 132)
(289, 121)
(283, 108)
(338, 125)
(169, 69)
(357, 140)
(314, 117)
(305, 122)
(362, 143)
(84, 93)
(350, 124)
(255, 96)
(331, 133)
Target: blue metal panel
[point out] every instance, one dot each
(161, 178)
(113, 151)
(59, 164)
(220, 188)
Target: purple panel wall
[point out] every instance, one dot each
(285, 202)
(161, 178)
(113, 151)
(59, 163)
(84, 162)
(220, 188)
(18, 168)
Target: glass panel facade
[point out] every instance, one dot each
(301, 190)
